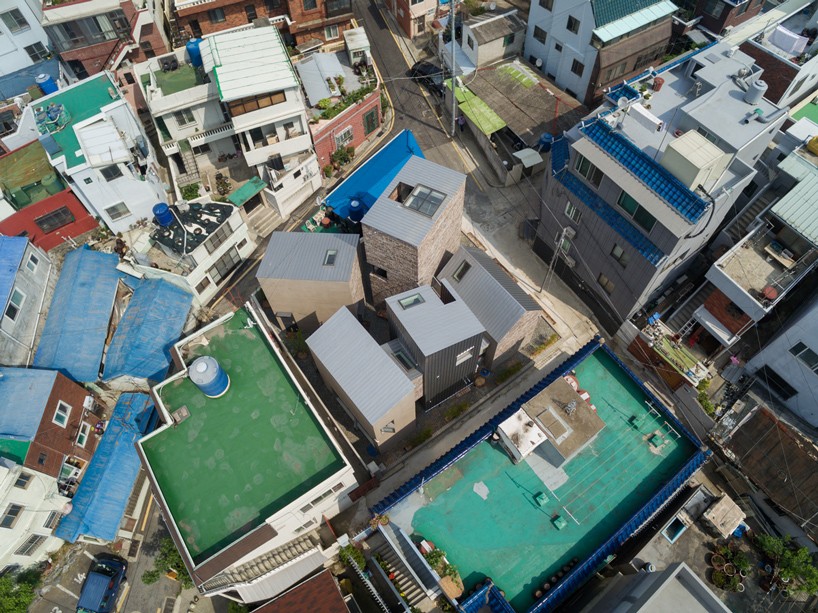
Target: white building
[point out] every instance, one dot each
(242, 101)
(23, 41)
(487, 39)
(95, 141)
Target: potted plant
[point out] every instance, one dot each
(729, 569)
(719, 579)
(717, 561)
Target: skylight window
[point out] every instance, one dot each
(461, 271)
(410, 301)
(424, 200)
(329, 257)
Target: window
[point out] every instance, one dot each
(10, 516)
(403, 359)
(329, 257)
(254, 103)
(216, 15)
(61, 414)
(806, 355)
(203, 285)
(201, 149)
(606, 284)
(557, 47)
(32, 262)
(344, 137)
(52, 520)
(14, 21)
(15, 304)
(620, 256)
(639, 214)
(380, 272)
(42, 458)
(464, 356)
(310, 5)
(572, 25)
(389, 428)
(241, 244)
(777, 384)
(470, 42)
(572, 212)
(540, 35)
(22, 481)
(508, 40)
(615, 71)
(713, 8)
(564, 245)
(272, 5)
(118, 211)
(461, 271)
(410, 301)
(88, 180)
(711, 137)
(797, 85)
(331, 32)
(548, 5)
(225, 265)
(30, 546)
(37, 52)
(743, 8)
(184, 118)
(109, 173)
(250, 11)
(577, 67)
(424, 200)
(370, 122)
(82, 436)
(217, 238)
(588, 170)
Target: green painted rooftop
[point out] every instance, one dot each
(27, 177)
(82, 102)
(809, 110)
(240, 458)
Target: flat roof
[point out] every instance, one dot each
(26, 173)
(238, 459)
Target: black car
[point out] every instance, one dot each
(429, 75)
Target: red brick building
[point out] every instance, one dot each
(720, 15)
(350, 128)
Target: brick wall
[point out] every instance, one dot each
(731, 317)
(778, 75)
(399, 259)
(92, 57)
(55, 441)
(150, 34)
(730, 15)
(519, 335)
(443, 239)
(323, 133)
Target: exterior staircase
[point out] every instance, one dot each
(684, 313)
(738, 229)
(263, 220)
(413, 594)
(191, 174)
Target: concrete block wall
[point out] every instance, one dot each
(519, 336)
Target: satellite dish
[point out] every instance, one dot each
(538, 63)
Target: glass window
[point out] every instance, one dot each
(424, 200)
(508, 40)
(540, 35)
(42, 458)
(250, 11)
(461, 271)
(30, 546)
(644, 219)
(10, 516)
(118, 211)
(464, 356)
(370, 121)
(61, 414)
(329, 257)
(37, 52)
(572, 212)
(52, 520)
(331, 32)
(109, 173)
(15, 304)
(203, 285)
(310, 5)
(713, 7)
(606, 284)
(32, 262)
(620, 255)
(577, 67)
(410, 301)
(557, 47)
(806, 355)
(564, 244)
(627, 202)
(23, 480)
(572, 25)
(344, 137)
(470, 42)
(14, 21)
(548, 5)
(225, 265)
(217, 238)
(184, 118)
(588, 170)
(272, 5)
(82, 436)
(216, 15)
(254, 103)
(403, 359)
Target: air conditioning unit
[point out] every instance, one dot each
(571, 262)
(570, 233)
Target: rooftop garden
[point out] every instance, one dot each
(342, 98)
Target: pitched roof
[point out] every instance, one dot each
(24, 394)
(606, 11)
(320, 594)
(12, 249)
(301, 255)
(371, 379)
(489, 27)
(799, 206)
(489, 292)
(635, 20)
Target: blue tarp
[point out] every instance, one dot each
(369, 181)
(74, 334)
(103, 493)
(152, 322)
(24, 394)
(12, 249)
(18, 82)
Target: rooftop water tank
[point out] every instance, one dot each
(193, 52)
(356, 211)
(162, 214)
(755, 92)
(46, 83)
(209, 377)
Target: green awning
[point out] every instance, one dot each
(480, 113)
(240, 196)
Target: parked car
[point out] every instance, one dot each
(428, 75)
(100, 590)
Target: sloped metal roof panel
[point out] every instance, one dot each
(300, 256)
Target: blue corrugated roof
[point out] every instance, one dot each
(371, 178)
(606, 11)
(103, 493)
(152, 322)
(653, 175)
(24, 394)
(559, 161)
(74, 334)
(12, 249)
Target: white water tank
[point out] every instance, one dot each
(755, 92)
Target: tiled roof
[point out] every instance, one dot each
(317, 595)
(606, 11)
(654, 176)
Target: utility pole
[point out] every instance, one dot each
(454, 70)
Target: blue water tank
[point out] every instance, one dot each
(162, 214)
(545, 142)
(356, 211)
(209, 377)
(46, 83)
(193, 52)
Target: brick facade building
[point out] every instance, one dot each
(51, 221)
(362, 119)
(720, 15)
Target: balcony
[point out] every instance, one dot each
(208, 136)
(668, 346)
(295, 145)
(336, 8)
(758, 271)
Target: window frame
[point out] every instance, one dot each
(535, 33)
(572, 212)
(31, 545)
(11, 515)
(248, 8)
(118, 215)
(464, 356)
(370, 121)
(61, 404)
(52, 520)
(577, 67)
(807, 356)
(592, 174)
(218, 238)
(17, 27)
(606, 284)
(461, 271)
(15, 306)
(344, 137)
(548, 5)
(23, 480)
(32, 268)
(111, 173)
(184, 118)
(213, 15)
(330, 256)
(410, 301)
(220, 270)
(572, 24)
(84, 432)
(37, 51)
(328, 32)
(313, 5)
(623, 258)
(639, 212)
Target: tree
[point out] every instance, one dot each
(772, 546)
(797, 565)
(17, 592)
(170, 559)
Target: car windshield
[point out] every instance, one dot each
(104, 569)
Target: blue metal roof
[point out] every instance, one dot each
(152, 322)
(24, 394)
(12, 249)
(653, 175)
(74, 334)
(373, 176)
(103, 493)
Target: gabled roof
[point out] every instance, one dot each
(12, 249)
(489, 292)
(638, 18)
(24, 394)
(152, 322)
(103, 493)
(74, 334)
(371, 379)
(301, 255)
(489, 27)
(799, 206)
(606, 11)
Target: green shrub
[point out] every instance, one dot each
(151, 576)
(328, 170)
(190, 191)
(170, 559)
(705, 402)
(719, 579)
(324, 103)
(511, 370)
(350, 552)
(235, 607)
(434, 557)
(456, 410)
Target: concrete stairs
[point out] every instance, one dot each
(191, 174)
(405, 583)
(684, 313)
(263, 220)
(738, 229)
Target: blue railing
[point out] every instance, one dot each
(486, 595)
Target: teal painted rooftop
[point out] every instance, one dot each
(79, 102)
(241, 458)
(606, 11)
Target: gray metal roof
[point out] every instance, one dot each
(488, 27)
(489, 292)
(396, 220)
(799, 206)
(434, 325)
(300, 256)
(316, 69)
(358, 364)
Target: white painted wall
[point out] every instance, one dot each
(13, 55)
